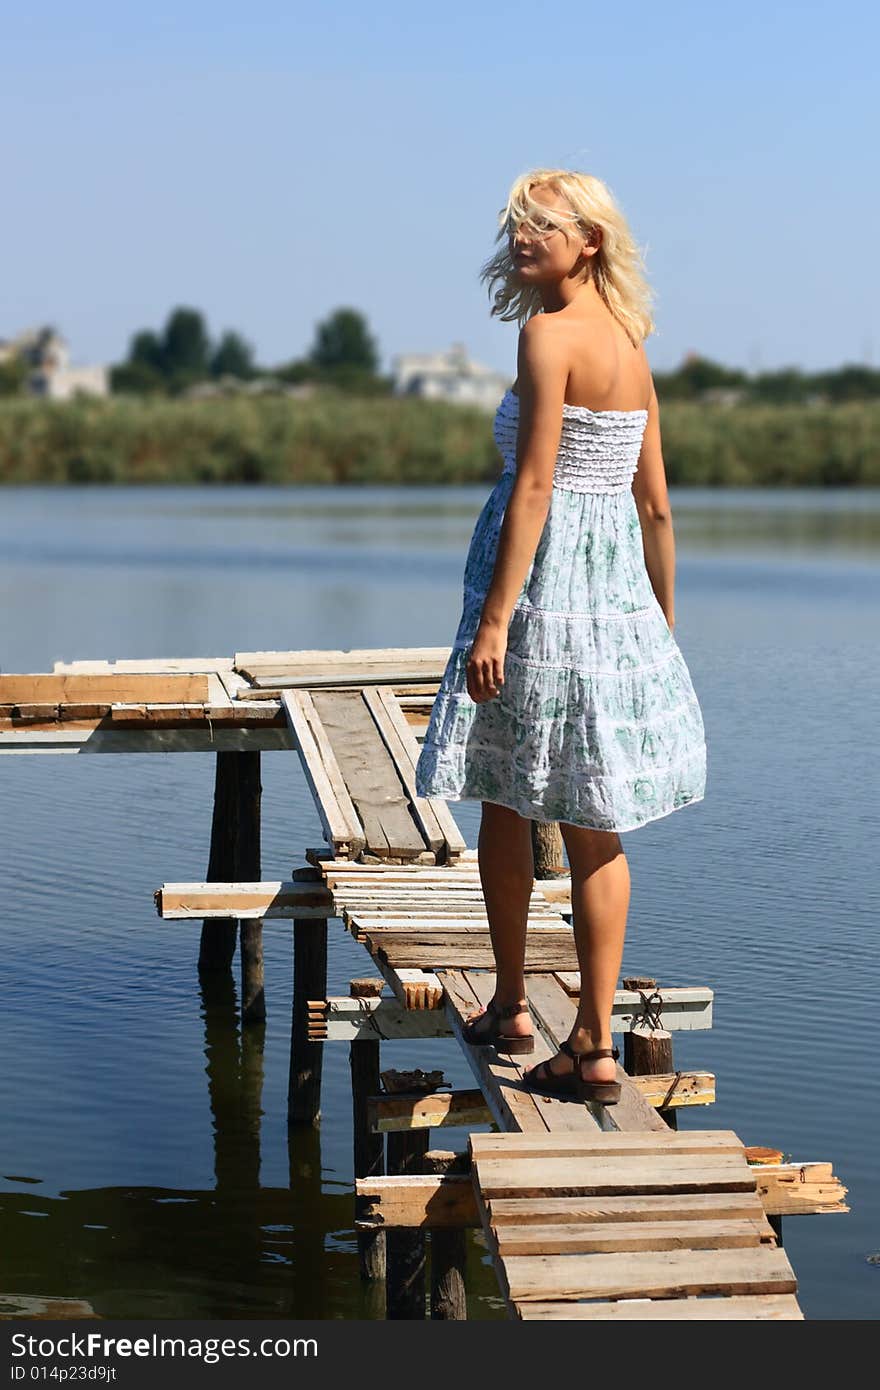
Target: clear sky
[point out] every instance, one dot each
(268, 162)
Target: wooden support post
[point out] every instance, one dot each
(448, 1247)
(369, 1150)
(548, 850)
(405, 1276)
(234, 858)
(309, 983)
(217, 946)
(646, 1050)
(249, 870)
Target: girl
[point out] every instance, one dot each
(566, 697)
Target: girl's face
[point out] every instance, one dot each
(544, 253)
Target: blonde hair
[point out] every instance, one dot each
(616, 266)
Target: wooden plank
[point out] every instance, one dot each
(476, 957)
(655, 1274)
(342, 828)
(385, 1018)
(394, 907)
(390, 1113)
(553, 1113)
(778, 1307)
(371, 777)
(399, 744)
(414, 1200)
(514, 1147)
(242, 736)
(186, 688)
(271, 898)
(407, 1200)
(649, 1207)
(188, 665)
(663, 1090)
(555, 1014)
(343, 659)
(374, 876)
(800, 1187)
(433, 814)
(499, 1078)
(605, 1237)
(578, 1177)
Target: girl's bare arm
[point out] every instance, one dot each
(542, 376)
(655, 517)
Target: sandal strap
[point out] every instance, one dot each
(511, 1010)
(566, 1047)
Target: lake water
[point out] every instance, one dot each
(145, 1160)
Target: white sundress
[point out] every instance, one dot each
(597, 723)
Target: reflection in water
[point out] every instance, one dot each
(236, 1250)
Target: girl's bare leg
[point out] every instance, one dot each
(600, 893)
(507, 874)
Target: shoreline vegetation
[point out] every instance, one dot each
(335, 438)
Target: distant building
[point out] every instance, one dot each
(46, 357)
(448, 376)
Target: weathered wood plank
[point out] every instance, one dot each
(442, 1108)
(407, 1201)
(655, 1274)
(636, 1207)
(371, 777)
(403, 749)
(755, 1307)
(605, 1237)
(664, 1143)
(42, 688)
(555, 1014)
(574, 1177)
(332, 801)
(499, 1078)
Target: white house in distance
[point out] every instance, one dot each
(448, 376)
(49, 372)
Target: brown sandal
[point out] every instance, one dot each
(492, 1035)
(601, 1092)
(571, 1083)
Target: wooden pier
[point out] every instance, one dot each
(588, 1212)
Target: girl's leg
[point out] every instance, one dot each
(600, 892)
(507, 874)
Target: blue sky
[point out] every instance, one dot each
(270, 162)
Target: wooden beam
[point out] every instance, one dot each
(424, 1200)
(90, 736)
(753, 1307)
(342, 828)
(269, 898)
(185, 688)
(442, 1108)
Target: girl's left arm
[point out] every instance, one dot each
(542, 376)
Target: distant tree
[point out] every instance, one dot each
(232, 357)
(788, 384)
(146, 351)
(343, 340)
(297, 370)
(853, 382)
(12, 375)
(137, 377)
(186, 348)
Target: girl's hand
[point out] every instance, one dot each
(485, 666)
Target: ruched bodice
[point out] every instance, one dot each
(598, 449)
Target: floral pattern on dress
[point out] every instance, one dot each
(597, 722)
